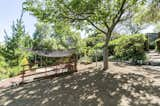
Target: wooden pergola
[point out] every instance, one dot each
(70, 53)
(70, 65)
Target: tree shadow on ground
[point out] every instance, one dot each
(119, 64)
(152, 71)
(96, 88)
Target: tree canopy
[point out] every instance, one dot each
(55, 36)
(148, 13)
(103, 15)
(11, 50)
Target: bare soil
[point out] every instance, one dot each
(121, 85)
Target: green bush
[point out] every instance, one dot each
(112, 46)
(97, 55)
(146, 44)
(158, 45)
(6, 71)
(3, 68)
(152, 45)
(129, 48)
(85, 60)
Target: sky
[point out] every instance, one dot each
(10, 10)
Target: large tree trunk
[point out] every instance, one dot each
(105, 51)
(105, 58)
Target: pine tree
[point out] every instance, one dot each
(12, 52)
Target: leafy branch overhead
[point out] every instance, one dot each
(101, 14)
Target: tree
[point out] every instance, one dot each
(42, 35)
(11, 50)
(58, 36)
(148, 13)
(103, 15)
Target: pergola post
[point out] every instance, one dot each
(41, 61)
(75, 63)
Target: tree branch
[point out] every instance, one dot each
(105, 23)
(96, 27)
(75, 18)
(118, 15)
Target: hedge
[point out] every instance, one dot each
(129, 47)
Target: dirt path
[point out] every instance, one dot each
(153, 58)
(121, 85)
(152, 75)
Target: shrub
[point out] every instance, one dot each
(9, 72)
(3, 68)
(158, 35)
(14, 71)
(158, 45)
(98, 55)
(152, 45)
(146, 44)
(129, 47)
(112, 46)
(6, 71)
(85, 60)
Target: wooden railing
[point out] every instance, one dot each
(58, 66)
